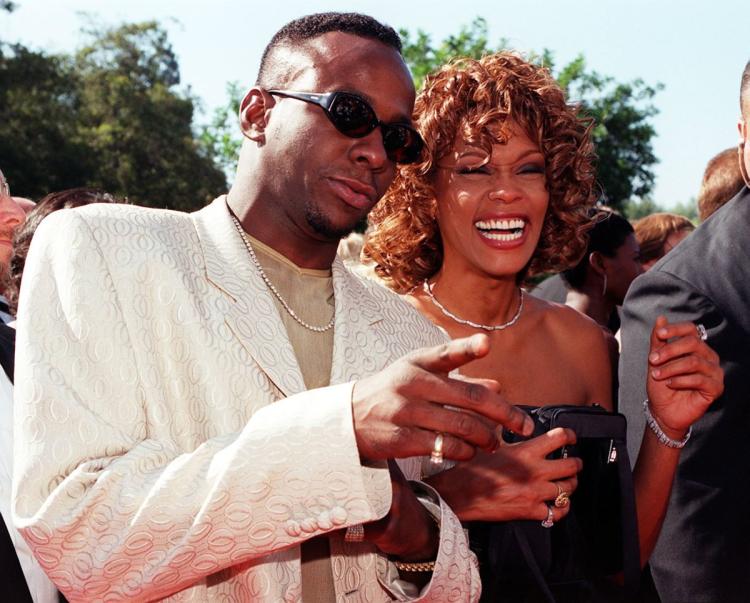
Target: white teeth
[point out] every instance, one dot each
(513, 224)
(497, 236)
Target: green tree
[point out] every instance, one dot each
(40, 150)
(622, 132)
(422, 57)
(634, 210)
(111, 116)
(138, 124)
(622, 112)
(688, 208)
(221, 136)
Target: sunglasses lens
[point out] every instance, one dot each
(352, 116)
(402, 144)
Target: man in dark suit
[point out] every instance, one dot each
(703, 552)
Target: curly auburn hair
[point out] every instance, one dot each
(475, 100)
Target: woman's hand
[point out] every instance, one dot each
(514, 482)
(684, 376)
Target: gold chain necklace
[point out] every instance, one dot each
(273, 289)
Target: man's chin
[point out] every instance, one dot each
(325, 227)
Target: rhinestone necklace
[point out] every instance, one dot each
(270, 286)
(469, 323)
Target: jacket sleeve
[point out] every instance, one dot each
(653, 294)
(456, 575)
(109, 508)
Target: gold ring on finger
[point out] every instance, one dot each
(563, 498)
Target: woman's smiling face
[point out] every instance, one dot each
(491, 209)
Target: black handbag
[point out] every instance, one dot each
(521, 561)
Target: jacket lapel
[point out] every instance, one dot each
(249, 309)
(358, 350)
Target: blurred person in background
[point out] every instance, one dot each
(11, 217)
(25, 204)
(553, 288)
(74, 197)
(659, 233)
(597, 284)
(25, 581)
(722, 180)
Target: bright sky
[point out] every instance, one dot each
(697, 49)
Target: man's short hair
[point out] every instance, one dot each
(722, 180)
(4, 188)
(312, 26)
(745, 90)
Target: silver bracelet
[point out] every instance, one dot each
(659, 432)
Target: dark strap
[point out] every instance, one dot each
(631, 554)
(531, 561)
(7, 349)
(14, 585)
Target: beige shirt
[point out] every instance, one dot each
(310, 294)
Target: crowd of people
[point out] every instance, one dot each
(234, 405)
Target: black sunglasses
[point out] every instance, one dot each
(354, 117)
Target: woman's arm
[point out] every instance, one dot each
(684, 378)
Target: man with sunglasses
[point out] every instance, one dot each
(210, 403)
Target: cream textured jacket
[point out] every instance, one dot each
(165, 446)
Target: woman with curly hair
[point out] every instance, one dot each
(503, 192)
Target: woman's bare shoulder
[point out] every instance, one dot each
(585, 346)
(588, 343)
(564, 321)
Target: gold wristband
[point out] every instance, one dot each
(355, 533)
(419, 566)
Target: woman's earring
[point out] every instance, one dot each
(604, 288)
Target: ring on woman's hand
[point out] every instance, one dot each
(550, 521)
(702, 333)
(563, 498)
(436, 456)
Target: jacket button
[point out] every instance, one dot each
(293, 528)
(324, 521)
(338, 516)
